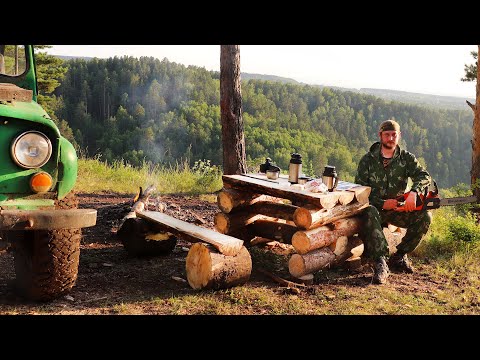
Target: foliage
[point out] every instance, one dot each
(147, 110)
(463, 229)
(50, 72)
(471, 70)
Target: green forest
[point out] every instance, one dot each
(146, 110)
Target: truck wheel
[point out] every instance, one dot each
(46, 262)
(140, 239)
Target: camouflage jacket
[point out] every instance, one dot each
(390, 182)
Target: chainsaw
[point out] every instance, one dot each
(431, 200)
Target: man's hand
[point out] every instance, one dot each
(410, 202)
(390, 204)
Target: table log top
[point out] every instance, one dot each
(258, 182)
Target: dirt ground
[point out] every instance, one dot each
(108, 277)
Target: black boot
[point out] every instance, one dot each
(401, 262)
(381, 271)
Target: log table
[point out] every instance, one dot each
(322, 228)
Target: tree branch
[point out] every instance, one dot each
(471, 105)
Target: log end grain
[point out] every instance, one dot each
(222, 223)
(225, 201)
(296, 266)
(301, 242)
(199, 266)
(302, 218)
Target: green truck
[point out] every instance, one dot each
(39, 215)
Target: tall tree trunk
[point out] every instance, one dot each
(476, 136)
(233, 138)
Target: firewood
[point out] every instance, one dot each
(354, 249)
(208, 269)
(310, 218)
(229, 199)
(229, 223)
(339, 246)
(272, 230)
(306, 241)
(309, 263)
(345, 197)
(362, 193)
(300, 265)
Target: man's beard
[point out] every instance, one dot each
(388, 146)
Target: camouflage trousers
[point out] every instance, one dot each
(374, 242)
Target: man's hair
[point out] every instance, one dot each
(389, 125)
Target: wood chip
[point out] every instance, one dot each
(107, 264)
(179, 279)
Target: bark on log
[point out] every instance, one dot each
(231, 223)
(306, 241)
(225, 244)
(310, 218)
(229, 199)
(272, 230)
(208, 269)
(300, 265)
(140, 238)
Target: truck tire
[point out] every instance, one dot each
(46, 261)
(134, 233)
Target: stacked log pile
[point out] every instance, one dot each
(322, 228)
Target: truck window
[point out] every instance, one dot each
(12, 60)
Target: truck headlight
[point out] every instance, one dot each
(31, 149)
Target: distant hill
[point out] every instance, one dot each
(434, 101)
(65, 57)
(448, 102)
(247, 76)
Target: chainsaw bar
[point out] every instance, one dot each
(458, 201)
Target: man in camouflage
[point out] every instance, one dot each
(386, 169)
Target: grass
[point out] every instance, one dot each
(95, 176)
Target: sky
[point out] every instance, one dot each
(427, 69)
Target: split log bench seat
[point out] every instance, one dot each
(223, 263)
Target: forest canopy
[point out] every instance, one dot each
(150, 110)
